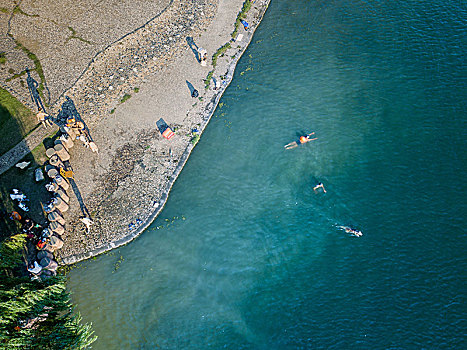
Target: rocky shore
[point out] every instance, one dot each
(126, 88)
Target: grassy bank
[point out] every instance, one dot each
(16, 121)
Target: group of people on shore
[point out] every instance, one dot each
(307, 138)
(44, 241)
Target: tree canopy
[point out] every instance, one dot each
(36, 314)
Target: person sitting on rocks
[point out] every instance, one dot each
(70, 122)
(35, 268)
(87, 222)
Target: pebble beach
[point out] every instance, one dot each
(125, 186)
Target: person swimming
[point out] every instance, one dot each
(319, 185)
(352, 231)
(301, 140)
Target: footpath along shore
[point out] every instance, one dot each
(125, 186)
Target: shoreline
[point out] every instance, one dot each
(208, 108)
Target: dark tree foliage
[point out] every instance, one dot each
(36, 314)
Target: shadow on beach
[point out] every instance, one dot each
(193, 47)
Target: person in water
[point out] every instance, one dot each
(352, 231)
(302, 139)
(319, 185)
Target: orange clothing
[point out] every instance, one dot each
(15, 216)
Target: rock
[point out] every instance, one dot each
(39, 175)
(22, 165)
(44, 254)
(45, 262)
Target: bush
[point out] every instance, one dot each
(195, 139)
(125, 97)
(241, 15)
(219, 52)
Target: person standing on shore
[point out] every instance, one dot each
(203, 56)
(43, 118)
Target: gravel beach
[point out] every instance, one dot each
(125, 186)
(125, 87)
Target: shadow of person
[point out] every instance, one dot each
(193, 47)
(69, 111)
(161, 125)
(33, 92)
(79, 197)
(193, 91)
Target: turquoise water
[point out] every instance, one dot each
(246, 256)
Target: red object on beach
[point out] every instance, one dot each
(168, 133)
(41, 244)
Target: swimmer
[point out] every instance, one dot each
(352, 231)
(302, 139)
(319, 185)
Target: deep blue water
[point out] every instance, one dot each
(246, 256)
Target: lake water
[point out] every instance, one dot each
(246, 256)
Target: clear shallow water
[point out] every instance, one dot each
(250, 257)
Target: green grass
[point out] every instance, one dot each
(4, 10)
(195, 139)
(16, 121)
(17, 10)
(220, 52)
(2, 57)
(15, 76)
(37, 67)
(136, 89)
(241, 15)
(207, 81)
(125, 97)
(74, 36)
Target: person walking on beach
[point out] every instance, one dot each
(43, 118)
(302, 139)
(319, 185)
